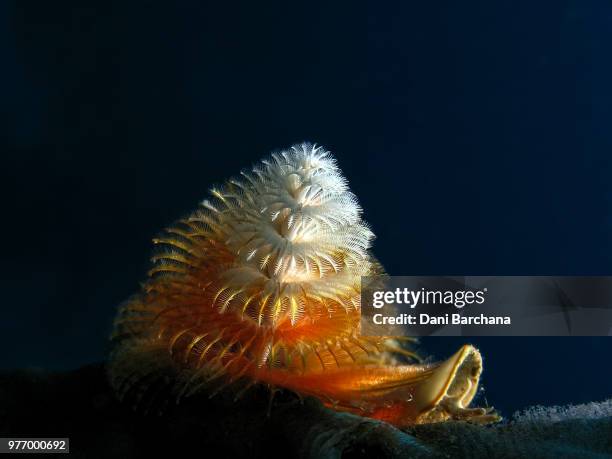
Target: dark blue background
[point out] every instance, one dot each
(477, 136)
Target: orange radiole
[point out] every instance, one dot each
(261, 284)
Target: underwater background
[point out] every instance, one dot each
(476, 137)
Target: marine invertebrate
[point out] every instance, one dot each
(261, 284)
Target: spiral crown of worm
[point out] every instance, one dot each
(261, 284)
